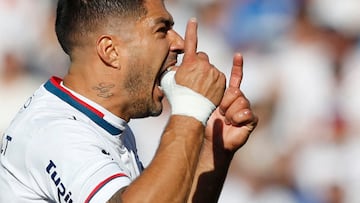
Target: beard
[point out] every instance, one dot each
(139, 86)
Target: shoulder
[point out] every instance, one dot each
(44, 113)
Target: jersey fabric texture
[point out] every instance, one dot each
(62, 147)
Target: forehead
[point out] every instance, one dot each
(156, 10)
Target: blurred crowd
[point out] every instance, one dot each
(301, 70)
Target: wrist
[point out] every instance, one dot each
(184, 101)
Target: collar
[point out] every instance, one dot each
(102, 117)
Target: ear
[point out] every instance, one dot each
(107, 51)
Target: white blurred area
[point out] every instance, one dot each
(301, 73)
(29, 52)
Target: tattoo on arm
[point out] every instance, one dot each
(104, 89)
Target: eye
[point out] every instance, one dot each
(163, 29)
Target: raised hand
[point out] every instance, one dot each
(231, 124)
(196, 72)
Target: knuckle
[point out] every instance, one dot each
(203, 55)
(222, 77)
(244, 102)
(235, 92)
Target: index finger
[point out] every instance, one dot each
(191, 39)
(236, 71)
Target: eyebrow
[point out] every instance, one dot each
(167, 21)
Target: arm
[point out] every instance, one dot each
(228, 129)
(169, 176)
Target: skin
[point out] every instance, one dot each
(118, 72)
(227, 130)
(122, 73)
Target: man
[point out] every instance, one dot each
(71, 142)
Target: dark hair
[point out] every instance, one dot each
(77, 18)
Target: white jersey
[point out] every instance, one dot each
(62, 147)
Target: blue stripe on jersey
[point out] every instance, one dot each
(69, 98)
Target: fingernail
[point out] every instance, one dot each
(193, 19)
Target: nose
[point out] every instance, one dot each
(176, 42)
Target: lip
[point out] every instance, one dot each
(172, 63)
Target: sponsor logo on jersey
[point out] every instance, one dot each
(63, 193)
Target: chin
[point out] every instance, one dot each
(155, 114)
(155, 108)
(152, 111)
(156, 111)
(149, 114)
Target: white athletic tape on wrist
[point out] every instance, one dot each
(184, 101)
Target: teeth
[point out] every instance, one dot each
(170, 68)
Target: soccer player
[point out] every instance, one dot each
(70, 142)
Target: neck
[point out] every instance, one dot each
(99, 85)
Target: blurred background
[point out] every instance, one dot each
(301, 70)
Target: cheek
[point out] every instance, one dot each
(140, 81)
(159, 49)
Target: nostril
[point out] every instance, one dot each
(179, 51)
(177, 42)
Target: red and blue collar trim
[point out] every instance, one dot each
(53, 86)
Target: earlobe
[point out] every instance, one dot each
(107, 51)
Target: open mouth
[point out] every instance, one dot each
(163, 71)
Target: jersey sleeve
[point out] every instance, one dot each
(69, 163)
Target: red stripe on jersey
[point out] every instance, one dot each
(102, 184)
(56, 81)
